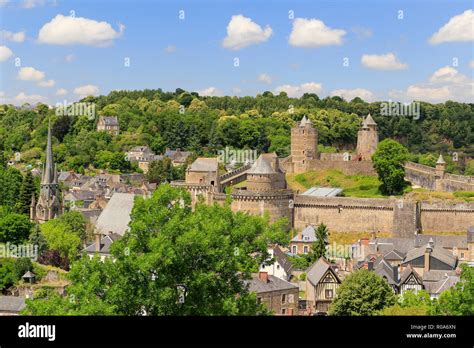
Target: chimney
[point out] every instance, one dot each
(263, 276)
(428, 250)
(370, 265)
(97, 242)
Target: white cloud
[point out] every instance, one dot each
(3, 3)
(458, 29)
(298, 91)
(30, 74)
(170, 49)
(382, 62)
(67, 30)
(444, 84)
(61, 91)
(314, 33)
(210, 92)
(5, 53)
(48, 83)
(471, 64)
(70, 58)
(11, 36)
(85, 91)
(243, 32)
(23, 98)
(349, 94)
(265, 78)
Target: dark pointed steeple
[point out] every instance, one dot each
(49, 169)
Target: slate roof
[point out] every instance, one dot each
(322, 192)
(274, 284)
(438, 253)
(394, 255)
(11, 303)
(282, 259)
(261, 166)
(116, 215)
(442, 241)
(440, 160)
(407, 272)
(443, 284)
(369, 121)
(317, 270)
(105, 243)
(435, 275)
(307, 235)
(110, 120)
(385, 245)
(203, 164)
(384, 269)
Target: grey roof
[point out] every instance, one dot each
(177, 155)
(384, 269)
(282, 259)
(304, 121)
(443, 284)
(110, 120)
(116, 215)
(274, 284)
(442, 241)
(369, 121)
(435, 275)
(29, 275)
(394, 255)
(407, 272)
(322, 192)
(317, 270)
(203, 164)
(385, 245)
(11, 303)
(440, 160)
(105, 243)
(261, 166)
(437, 252)
(307, 235)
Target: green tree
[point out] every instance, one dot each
(318, 249)
(410, 303)
(22, 265)
(362, 293)
(389, 159)
(14, 228)
(459, 300)
(7, 273)
(161, 171)
(210, 251)
(28, 188)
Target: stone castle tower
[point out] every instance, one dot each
(304, 145)
(49, 204)
(367, 139)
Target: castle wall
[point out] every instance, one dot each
(426, 177)
(445, 217)
(343, 214)
(367, 141)
(346, 167)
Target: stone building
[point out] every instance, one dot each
(49, 205)
(367, 139)
(304, 146)
(108, 124)
(278, 295)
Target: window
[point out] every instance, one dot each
(328, 293)
(283, 311)
(294, 249)
(278, 266)
(283, 298)
(259, 300)
(305, 249)
(462, 255)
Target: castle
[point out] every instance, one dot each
(304, 154)
(49, 204)
(266, 191)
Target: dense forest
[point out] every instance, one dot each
(206, 124)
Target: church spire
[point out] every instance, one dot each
(49, 169)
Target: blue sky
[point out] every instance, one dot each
(426, 55)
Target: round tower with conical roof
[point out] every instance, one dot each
(367, 139)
